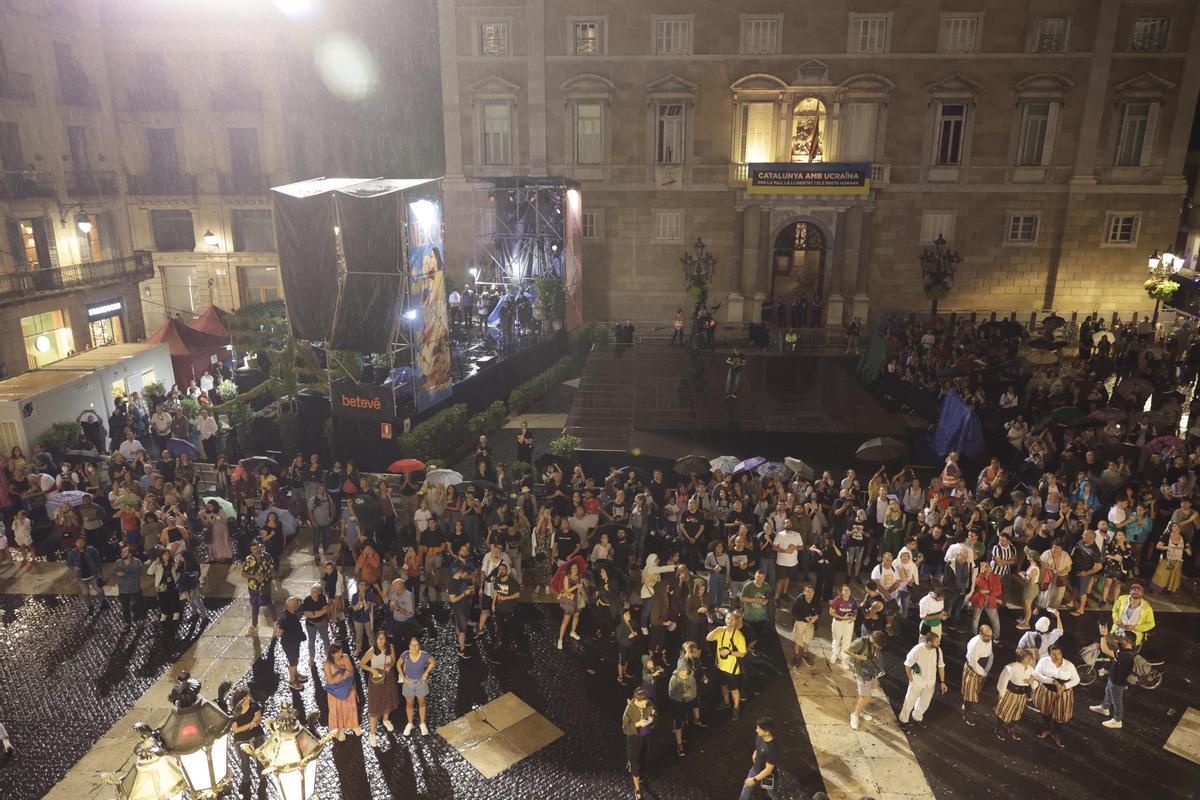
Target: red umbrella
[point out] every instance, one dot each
(406, 465)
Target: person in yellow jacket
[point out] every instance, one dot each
(1132, 612)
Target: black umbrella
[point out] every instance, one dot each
(1053, 322)
(545, 460)
(953, 372)
(882, 449)
(691, 464)
(637, 472)
(84, 456)
(610, 528)
(1117, 491)
(1042, 424)
(1084, 422)
(254, 462)
(483, 483)
(1042, 343)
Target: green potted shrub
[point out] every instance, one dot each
(551, 299)
(565, 447)
(61, 437)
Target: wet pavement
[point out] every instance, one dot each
(66, 676)
(576, 690)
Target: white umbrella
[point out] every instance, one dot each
(799, 467)
(443, 477)
(725, 464)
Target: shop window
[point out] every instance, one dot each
(48, 338)
(258, 284)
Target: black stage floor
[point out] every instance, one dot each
(659, 399)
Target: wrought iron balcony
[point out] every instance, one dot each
(92, 183)
(17, 86)
(1149, 43)
(162, 183)
(22, 184)
(237, 99)
(1052, 43)
(245, 183)
(22, 284)
(152, 98)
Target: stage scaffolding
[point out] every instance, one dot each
(521, 234)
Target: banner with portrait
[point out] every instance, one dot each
(428, 311)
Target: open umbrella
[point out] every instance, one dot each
(881, 449)
(179, 447)
(774, 469)
(749, 464)
(690, 464)
(610, 528)
(482, 483)
(1107, 413)
(971, 364)
(57, 500)
(1064, 414)
(286, 520)
(1053, 322)
(725, 464)
(1041, 358)
(1134, 386)
(640, 473)
(952, 372)
(443, 477)
(224, 504)
(1163, 442)
(405, 466)
(799, 467)
(545, 460)
(127, 500)
(84, 456)
(1079, 423)
(1042, 424)
(1100, 336)
(1042, 343)
(254, 462)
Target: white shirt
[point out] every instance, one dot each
(906, 574)
(926, 660)
(129, 448)
(1029, 641)
(978, 653)
(208, 427)
(421, 518)
(1047, 672)
(161, 422)
(886, 579)
(930, 605)
(206, 382)
(1015, 673)
(783, 541)
(489, 565)
(953, 550)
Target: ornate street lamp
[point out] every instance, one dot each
(937, 268)
(196, 733)
(153, 776)
(698, 267)
(1160, 286)
(289, 755)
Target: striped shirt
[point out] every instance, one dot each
(1002, 553)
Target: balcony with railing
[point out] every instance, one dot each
(237, 99)
(17, 86)
(78, 91)
(23, 184)
(1149, 43)
(22, 284)
(245, 183)
(152, 98)
(1051, 43)
(162, 184)
(92, 183)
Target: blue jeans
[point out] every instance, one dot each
(716, 587)
(748, 791)
(1114, 698)
(954, 604)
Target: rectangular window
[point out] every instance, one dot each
(253, 230)
(1150, 34)
(12, 157)
(497, 133)
(173, 230)
(164, 155)
(951, 125)
(1050, 35)
(587, 37)
(48, 338)
(1022, 228)
(760, 35)
(258, 285)
(243, 153)
(757, 134)
(960, 34)
(1122, 228)
(672, 37)
(589, 133)
(869, 34)
(77, 144)
(859, 130)
(935, 224)
(1133, 144)
(34, 248)
(668, 136)
(592, 224)
(668, 226)
(184, 291)
(493, 39)
(1035, 131)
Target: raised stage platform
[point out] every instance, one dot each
(660, 400)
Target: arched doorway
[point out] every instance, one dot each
(798, 264)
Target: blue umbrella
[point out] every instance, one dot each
(775, 470)
(57, 500)
(286, 519)
(180, 446)
(749, 464)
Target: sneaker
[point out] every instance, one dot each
(175, 616)
(1100, 710)
(374, 742)
(560, 644)
(424, 730)
(1115, 724)
(341, 736)
(387, 724)
(162, 617)
(575, 636)
(737, 714)
(407, 729)
(854, 721)
(865, 716)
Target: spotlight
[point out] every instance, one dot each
(411, 314)
(424, 211)
(474, 272)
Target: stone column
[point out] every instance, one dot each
(451, 107)
(861, 298)
(536, 33)
(1096, 97)
(739, 309)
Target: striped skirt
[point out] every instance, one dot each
(1011, 707)
(1059, 706)
(971, 683)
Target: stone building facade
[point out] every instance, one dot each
(1044, 140)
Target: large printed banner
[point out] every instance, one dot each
(788, 178)
(427, 292)
(362, 401)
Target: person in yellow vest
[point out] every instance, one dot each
(731, 649)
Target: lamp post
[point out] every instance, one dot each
(153, 776)
(698, 266)
(196, 734)
(289, 755)
(937, 268)
(1161, 269)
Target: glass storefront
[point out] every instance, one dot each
(104, 322)
(48, 338)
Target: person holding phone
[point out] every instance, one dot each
(636, 724)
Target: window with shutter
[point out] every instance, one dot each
(860, 123)
(758, 133)
(937, 223)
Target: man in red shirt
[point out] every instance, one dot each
(986, 597)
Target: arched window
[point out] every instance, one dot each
(808, 131)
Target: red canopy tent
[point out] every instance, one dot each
(192, 351)
(212, 322)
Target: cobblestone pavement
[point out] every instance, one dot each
(577, 691)
(66, 676)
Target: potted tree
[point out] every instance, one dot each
(551, 299)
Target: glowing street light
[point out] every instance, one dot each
(210, 238)
(289, 755)
(196, 733)
(153, 776)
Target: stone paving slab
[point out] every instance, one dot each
(1184, 741)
